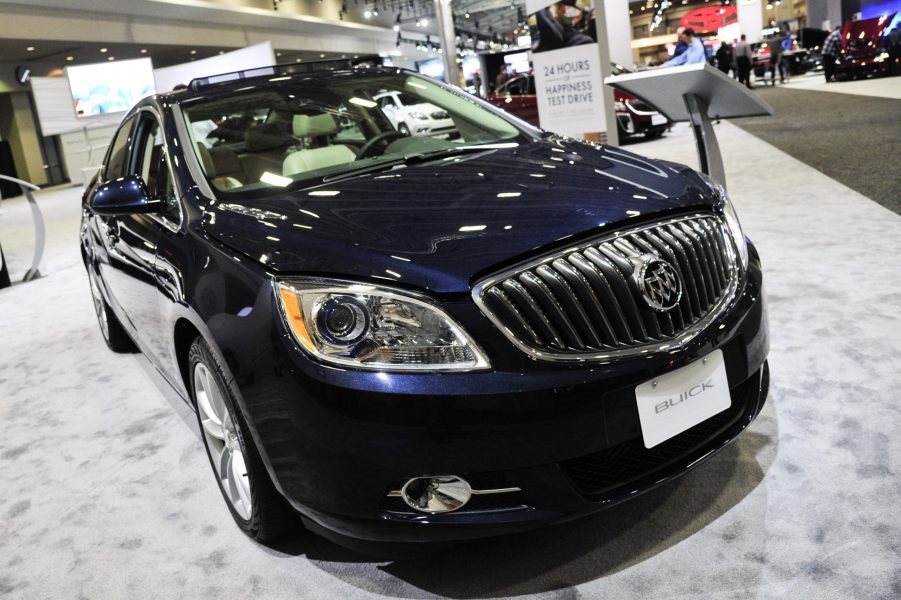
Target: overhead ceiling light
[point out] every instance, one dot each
(103, 49)
(278, 53)
(298, 60)
(143, 50)
(70, 58)
(193, 51)
(111, 58)
(30, 48)
(322, 56)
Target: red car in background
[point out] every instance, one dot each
(633, 116)
(865, 51)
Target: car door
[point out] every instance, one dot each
(173, 257)
(165, 266)
(131, 240)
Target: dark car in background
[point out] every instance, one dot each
(415, 339)
(633, 116)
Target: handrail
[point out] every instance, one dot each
(39, 233)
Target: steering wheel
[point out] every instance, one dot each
(367, 149)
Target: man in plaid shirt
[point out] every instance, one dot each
(831, 48)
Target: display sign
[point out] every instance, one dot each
(110, 87)
(567, 67)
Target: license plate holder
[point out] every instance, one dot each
(679, 400)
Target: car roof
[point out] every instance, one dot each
(226, 83)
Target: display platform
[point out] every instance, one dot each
(698, 94)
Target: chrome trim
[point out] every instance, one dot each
(399, 494)
(728, 296)
(638, 111)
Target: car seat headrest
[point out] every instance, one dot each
(306, 126)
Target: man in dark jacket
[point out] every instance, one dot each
(724, 58)
(831, 48)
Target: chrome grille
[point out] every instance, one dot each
(584, 302)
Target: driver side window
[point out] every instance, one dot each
(153, 166)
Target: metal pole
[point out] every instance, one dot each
(444, 16)
(600, 26)
(39, 233)
(709, 157)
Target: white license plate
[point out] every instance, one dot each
(658, 119)
(676, 401)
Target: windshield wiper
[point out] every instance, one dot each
(415, 159)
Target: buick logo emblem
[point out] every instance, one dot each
(658, 283)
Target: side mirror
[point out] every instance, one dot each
(124, 196)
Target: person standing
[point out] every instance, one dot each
(693, 54)
(680, 45)
(477, 83)
(501, 78)
(831, 47)
(742, 52)
(724, 58)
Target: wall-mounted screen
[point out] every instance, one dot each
(434, 67)
(110, 87)
(518, 62)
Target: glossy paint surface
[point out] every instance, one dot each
(435, 227)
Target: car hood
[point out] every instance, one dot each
(438, 226)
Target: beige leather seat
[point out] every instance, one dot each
(308, 127)
(209, 167)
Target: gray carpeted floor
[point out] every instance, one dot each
(854, 139)
(107, 494)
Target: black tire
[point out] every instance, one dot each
(270, 516)
(111, 328)
(653, 135)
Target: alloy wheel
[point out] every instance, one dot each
(222, 439)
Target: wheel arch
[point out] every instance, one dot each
(184, 335)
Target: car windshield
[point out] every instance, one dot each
(298, 132)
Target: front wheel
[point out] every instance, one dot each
(256, 506)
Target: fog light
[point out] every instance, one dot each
(440, 494)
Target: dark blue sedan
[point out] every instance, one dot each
(412, 338)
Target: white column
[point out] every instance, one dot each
(619, 31)
(444, 18)
(750, 19)
(600, 23)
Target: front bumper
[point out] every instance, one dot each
(336, 442)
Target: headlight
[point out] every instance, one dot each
(619, 106)
(371, 327)
(418, 115)
(732, 222)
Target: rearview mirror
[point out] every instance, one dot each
(124, 196)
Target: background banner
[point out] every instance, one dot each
(567, 67)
